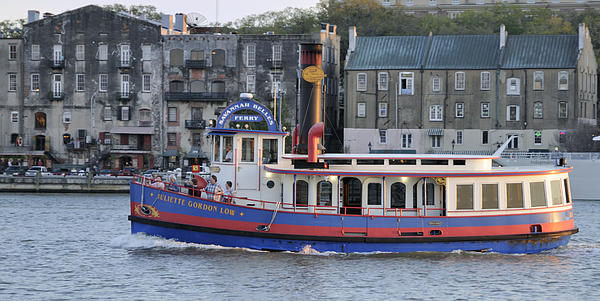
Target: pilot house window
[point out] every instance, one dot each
(247, 149)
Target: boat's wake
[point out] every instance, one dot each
(141, 241)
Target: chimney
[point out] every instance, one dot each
(310, 108)
(503, 35)
(178, 26)
(167, 21)
(32, 16)
(581, 36)
(332, 29)
(351, 38)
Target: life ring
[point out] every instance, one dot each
(19, 141)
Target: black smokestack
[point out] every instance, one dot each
(310, 106)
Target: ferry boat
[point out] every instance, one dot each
(307, 200)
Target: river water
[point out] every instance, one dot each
(78, 246)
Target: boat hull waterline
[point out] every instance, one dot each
(196, 220)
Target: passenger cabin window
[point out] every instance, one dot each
(538, 194)
(324, 189)
(227, 149)
(567, 190)
(374, 194)
(269, 151)
(489, 196)
(398, 195)
(464, 196)
(217, 149)
(248, 150)
(301, 193)
(430, 194)
(514, 195)
(556, 192)
(402, 162)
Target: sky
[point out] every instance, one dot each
(229, 10)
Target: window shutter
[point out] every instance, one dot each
(128, 113)
(120, 108)
(101, 137)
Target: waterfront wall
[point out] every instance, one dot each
(65, 184)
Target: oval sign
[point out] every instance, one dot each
(313, 74)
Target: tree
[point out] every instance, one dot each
(288, 21)
(149, 10)
(12, 29)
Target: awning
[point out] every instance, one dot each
(23, 153)
(170, 153)
(196, 153)
(221, 133)
(435, 132)
(135, 130)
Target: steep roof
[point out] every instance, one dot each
(463, 52)
(390, 52)
(537, 51)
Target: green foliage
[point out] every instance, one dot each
(288, 21)
(149, 10)
(12, 29)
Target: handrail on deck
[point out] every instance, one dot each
(230, 199)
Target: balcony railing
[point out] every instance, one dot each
(196, 96)
(124, 95)
(124, 147)
(276, 64)
(195, 64)
(56, 95)
(145, 123)
(195, 124)
(124, 63)
(57, 63)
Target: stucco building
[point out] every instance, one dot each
(468, 93)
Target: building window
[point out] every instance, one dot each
(464, 196)
(251, 55)
(40, 121)
(409, 2)
(514, 143)
(406, 141)
(459, 137)
(12, 82)
(460, 109)
(562, 110)
(563, 80)
(459, 81)
(14, 116)
(485, 110)
(107, 138)
(432, 2)
(80, 52)
(406, 83)
(382, 81)
(12, 52)
(126, 55)
(277, 53)
(146, 83)
(103, 87)
(57, 85)
(485, 81)
(172, 114)
(35, 52)
(125, 113)
(382, 136)
(538, 80)
(538, 110)
(102, 52)
(537, 137)
(512, 113)
(145, 115)
(435, 113)
(513, 86)
(35, 82)
(80, 82)
(435, 84)
(361, 109)
(171, 139)
(383, 109)
(361, 82)
(107, 113)
(125, 85)
(146, 52)
(436, 141)
(251, 83)
(66, 117)
(485, 137)
(275, 85)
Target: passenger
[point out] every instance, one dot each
(229, 193)
(213, 190)
(192, 187)
(158, 183)
(173, 185)
(228, 155)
